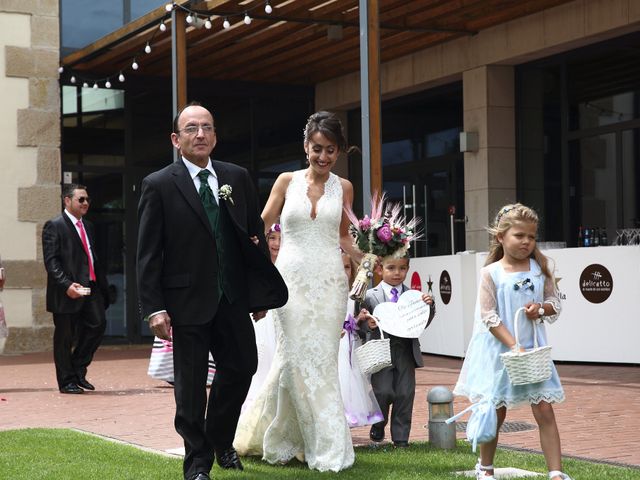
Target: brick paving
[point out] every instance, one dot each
(600, 419)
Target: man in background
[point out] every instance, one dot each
(76, 290)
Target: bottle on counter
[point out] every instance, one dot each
(603, 238)
(596, 237)
(587, 237)
(580, 237)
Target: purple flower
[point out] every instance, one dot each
(365, 223)
(384, 234)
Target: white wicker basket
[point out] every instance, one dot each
(531, 366)
(374, 355)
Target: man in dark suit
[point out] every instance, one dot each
(76, 290)
(200, 274)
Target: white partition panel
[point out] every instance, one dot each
(600, 291)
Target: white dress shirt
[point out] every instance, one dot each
(212, 179)
(75, 220)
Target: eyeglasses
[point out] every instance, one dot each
(84, 199)
(193, 129)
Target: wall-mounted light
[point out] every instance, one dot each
(469, 142)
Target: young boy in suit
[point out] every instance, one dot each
(395, 384)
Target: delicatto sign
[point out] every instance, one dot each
(596, 283)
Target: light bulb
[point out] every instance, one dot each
(247, 19)
(72, 79)
(134, 65)
(163, 27)
(85, 85)
(207, 24)
(147, 49)
(95, 86)
(60, 69)
(107, 84)
(168, 7)
(189, 19)
(268, 8)
(226, 24)
(121, 77)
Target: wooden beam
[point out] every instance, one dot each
(375, 121)
(181, 57)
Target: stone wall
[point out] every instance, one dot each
(30, 164)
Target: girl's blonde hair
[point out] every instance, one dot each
(505, 219)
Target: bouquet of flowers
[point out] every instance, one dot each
(385, 233)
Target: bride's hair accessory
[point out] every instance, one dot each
(386, 233)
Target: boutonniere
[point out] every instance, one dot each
(224, 192)
(525, 284)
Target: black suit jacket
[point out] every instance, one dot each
(66, 262)
(177, 271)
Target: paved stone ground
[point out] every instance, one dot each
(600, 419)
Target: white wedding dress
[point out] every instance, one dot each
(299, 411)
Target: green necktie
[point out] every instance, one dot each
(208, 200)
(212, 210)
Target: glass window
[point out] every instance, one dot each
(82, 22)
(142, 7)
(443, 142)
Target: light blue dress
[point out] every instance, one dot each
(500, 294)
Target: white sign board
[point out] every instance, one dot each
(407, 318)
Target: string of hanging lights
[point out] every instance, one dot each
(194, 18)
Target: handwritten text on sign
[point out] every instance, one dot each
(407, 318)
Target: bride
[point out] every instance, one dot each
(299, 411)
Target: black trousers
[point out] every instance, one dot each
(396, 385)
(76, 338)
(210, 425)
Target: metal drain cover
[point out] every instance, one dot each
(506, 427)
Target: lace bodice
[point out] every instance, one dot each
(299, 412)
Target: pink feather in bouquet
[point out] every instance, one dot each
(386, 233)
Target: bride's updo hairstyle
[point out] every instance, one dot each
(328, 125)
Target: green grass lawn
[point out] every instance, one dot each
(52, 454)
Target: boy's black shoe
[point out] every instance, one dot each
(376, 433)
(401, 444)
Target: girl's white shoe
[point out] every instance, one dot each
(481, 472)
(558, 473)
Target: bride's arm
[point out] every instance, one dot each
(273, 207)
(346, 240)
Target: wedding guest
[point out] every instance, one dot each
(77, 290)
(265, 329)
(299, 411)
(360, 404)
(200, 275)
(516, 274)
(273, 241)
(394, 385)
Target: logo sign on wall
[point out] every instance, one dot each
(416, 283)
(596, 283)
(445, 287)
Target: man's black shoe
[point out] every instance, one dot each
(376, 433)
(229, 459)
(200, 476)
(86, 385)
(401, 444)
(71, 388)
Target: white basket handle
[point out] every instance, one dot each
(377, 323)
(515, 327)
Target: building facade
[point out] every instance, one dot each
(549, 103)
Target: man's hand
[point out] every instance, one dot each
(371, 322)
(74, 291)
(258, 315)
(160, 325)
(255, 240)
